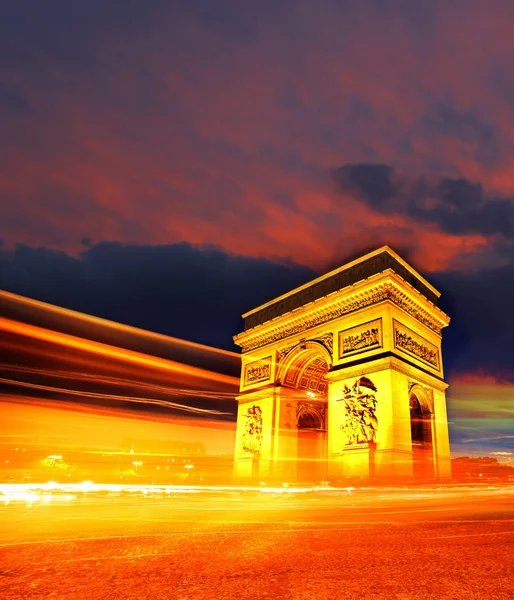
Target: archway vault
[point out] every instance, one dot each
(305, 368)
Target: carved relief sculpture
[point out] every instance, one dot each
(258, 371)
(361, 422)
(415, 345)
(283, 352)
(252, 434)
(327, 341)
(361, 338)
(367, 338)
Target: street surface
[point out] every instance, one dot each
(358, 544)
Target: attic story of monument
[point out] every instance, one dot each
(343, 377)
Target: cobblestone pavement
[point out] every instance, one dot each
(365, 545)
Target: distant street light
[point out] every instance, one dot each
(55, 457)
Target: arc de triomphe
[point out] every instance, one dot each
(343, 377)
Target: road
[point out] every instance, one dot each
(362, 544)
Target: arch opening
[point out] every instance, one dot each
(421, 434)
(309, 419)
(304, 373)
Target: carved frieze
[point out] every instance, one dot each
(387, 291)
(411, 343)
(327, 340)
(283, 352)
(361, 338)
(252, 433)
(360, 424)
(258, 371)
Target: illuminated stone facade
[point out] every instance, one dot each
(343, 378)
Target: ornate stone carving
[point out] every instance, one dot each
(386, 291)
(413, 344)
(360, 338)
(283, 352)
(327, 340)
(360, 426)
(336, 282)
(359, 341)
(258, 371)
(252, 433)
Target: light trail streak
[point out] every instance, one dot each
(99, 443)
(91, 377)
(34, 493)
(105, 396)
(101, 349)
(88, 486)
(11, 489)
(112, 325)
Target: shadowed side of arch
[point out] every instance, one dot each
(421, 412)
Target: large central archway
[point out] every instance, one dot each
(303, 374)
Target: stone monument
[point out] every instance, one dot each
(343, 378)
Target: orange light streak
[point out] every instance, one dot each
(101, 349)
(165, 403)
(31, 303)
(90, 377)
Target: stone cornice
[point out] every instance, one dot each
(352, 273)
(388, 363)
(382, 287)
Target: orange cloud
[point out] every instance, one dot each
(209, 139)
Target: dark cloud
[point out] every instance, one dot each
(371, 182)
(456, 206)
(460, 193)
(479, 338)
(188, 292)
(199, 293)
(465, 125)
(66, 31)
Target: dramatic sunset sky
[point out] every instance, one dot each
(171, 165)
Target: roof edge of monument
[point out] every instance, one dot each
(344, 267)
(387, 284)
